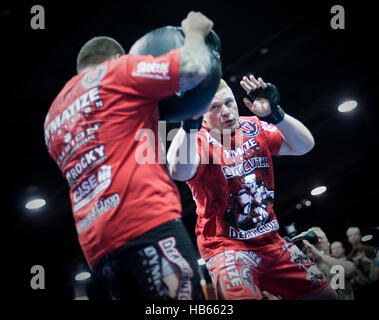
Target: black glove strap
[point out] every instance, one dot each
(277, 115)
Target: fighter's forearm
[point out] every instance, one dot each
(182, 157)
(195, 62)
(298, 139)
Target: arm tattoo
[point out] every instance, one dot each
(195, 63)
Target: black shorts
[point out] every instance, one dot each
(136, 270)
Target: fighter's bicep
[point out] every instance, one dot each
(286, 150)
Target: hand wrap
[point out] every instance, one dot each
(271, 93)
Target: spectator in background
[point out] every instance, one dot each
(320, 253)
(354, 236)
(367, 265)
(337, 250)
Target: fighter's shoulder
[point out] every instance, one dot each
(252, 120)
(249, 118)
(260, 123)
(64, 95)
(116, 63)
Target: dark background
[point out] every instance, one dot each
(290, 44)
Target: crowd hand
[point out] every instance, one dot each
(261, 106)
(362, 260)
(311, 250)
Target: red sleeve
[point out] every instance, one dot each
(153, 77)
(273, 137)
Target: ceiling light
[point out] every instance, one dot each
(317, 191)
(35, 204)
(367, 237)
(347, 106)
(308, 203)
(82, 276)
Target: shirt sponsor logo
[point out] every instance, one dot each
(75, 142)
(250, 144)
(245, 168)
(71, 113)
(253, 233)
(152, 70)
(94, 76)
(249, 128)
(89, 188)
(100, 207)
(268, 126)
(86, 162)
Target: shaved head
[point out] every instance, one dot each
(96, 51)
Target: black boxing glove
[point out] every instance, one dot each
(187, 125)
(270, 93)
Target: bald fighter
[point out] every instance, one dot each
(230, 173)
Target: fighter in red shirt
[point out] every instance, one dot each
(230, 173)
(102, 131)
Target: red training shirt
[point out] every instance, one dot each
(102, 131)
(234, 189)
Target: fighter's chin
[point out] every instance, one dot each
(231, 124)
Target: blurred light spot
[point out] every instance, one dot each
(82, 276)
(367, 237)
(317, 191)
(35, 204)
(347, 106)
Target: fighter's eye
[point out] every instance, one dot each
(228, 102)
